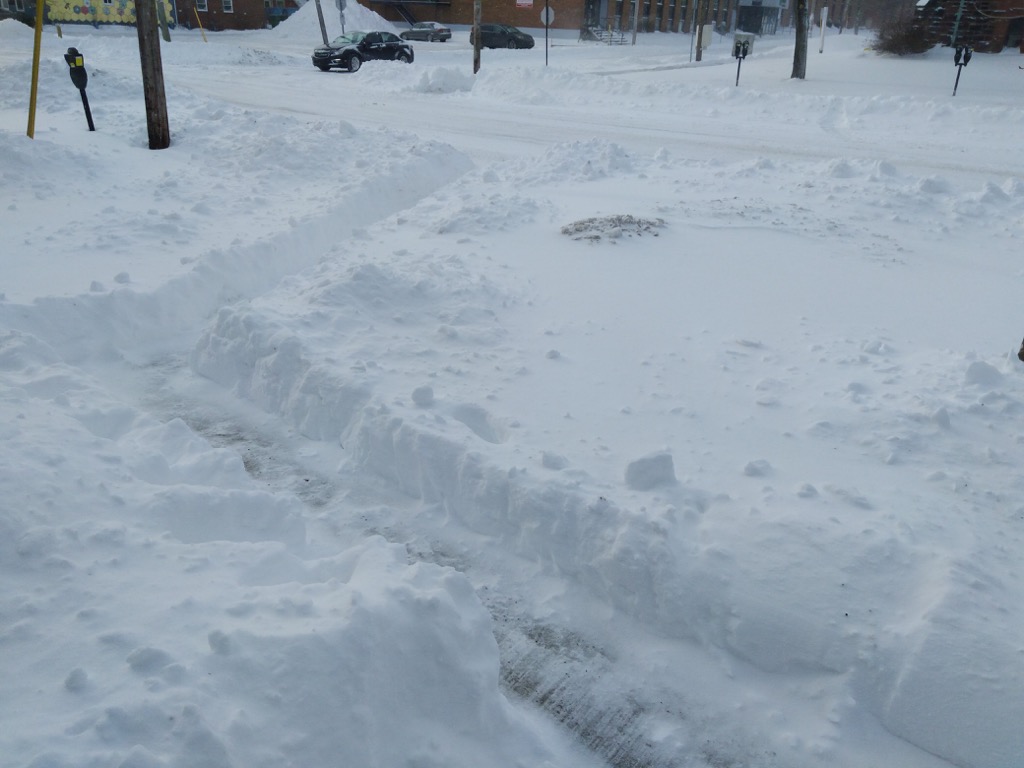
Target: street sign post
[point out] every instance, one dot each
(546, 17)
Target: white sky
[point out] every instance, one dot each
(580, 411)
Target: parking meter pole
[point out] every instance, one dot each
(80, 79)
(961, 58)
(740, 49)
(88, 112)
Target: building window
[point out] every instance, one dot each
(19, 5)
(229, 6)
(4, 6)
(201, 5)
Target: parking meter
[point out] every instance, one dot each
(740, 49)
(961, 57)
(79, 78)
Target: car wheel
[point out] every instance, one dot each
(403, 57)
(512, 45)
(354, 63)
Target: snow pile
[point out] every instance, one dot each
(161, 609)
(304, 24)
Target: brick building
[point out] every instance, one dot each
(986, 25)
(212, 14)
(651, 15)
(216, 15)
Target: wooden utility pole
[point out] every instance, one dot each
(320, 16)
(476, 36)
(800, 49)
(152, 74)
(703, 9)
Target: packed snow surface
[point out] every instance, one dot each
(587, 410)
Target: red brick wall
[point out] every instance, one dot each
(568, 13)
(248, 14)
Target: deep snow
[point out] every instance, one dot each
(596, 412)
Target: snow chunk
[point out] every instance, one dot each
(982, 374)
(423, 396)
(651, 471)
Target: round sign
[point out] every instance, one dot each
(547, 16)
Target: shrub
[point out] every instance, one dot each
(902, 35)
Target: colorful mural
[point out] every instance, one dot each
(98, 11)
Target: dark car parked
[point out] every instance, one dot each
(502, 36)
(427, 30)
(349, 51)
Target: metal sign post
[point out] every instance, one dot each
(476, 36)
(546, 16)
(34, 89)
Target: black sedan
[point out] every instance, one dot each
(502, 36)
(427, 30)
(349, 51)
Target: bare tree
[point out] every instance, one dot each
(802, 30)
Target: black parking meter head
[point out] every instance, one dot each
(76, 65)
(967, 54)
(746, 48)
(736, 48)
(957, 55)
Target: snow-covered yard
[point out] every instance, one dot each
(596, 412)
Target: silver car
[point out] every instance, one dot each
(427, 30)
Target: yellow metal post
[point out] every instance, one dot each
(200, 23)
(40, 5)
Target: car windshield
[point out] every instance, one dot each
(351, 38)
